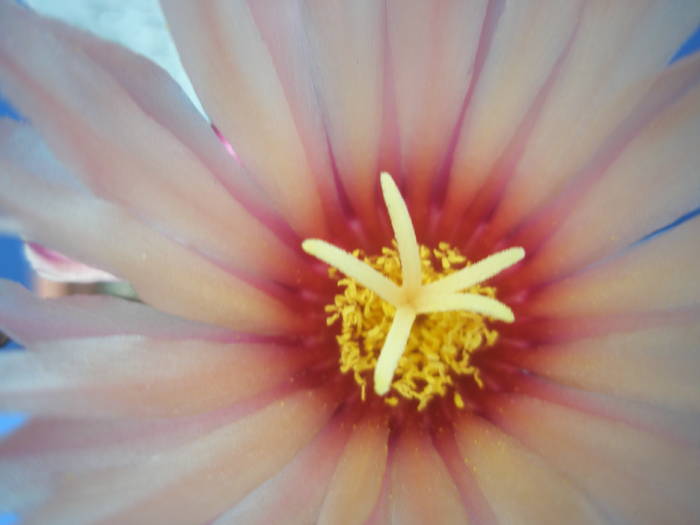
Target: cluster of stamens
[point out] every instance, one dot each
(411, 314)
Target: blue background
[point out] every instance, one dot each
(14, 267)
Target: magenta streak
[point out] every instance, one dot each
(273, 222)
(599, 405)
(340, 197)
(475, 503)
(488, 29)
(274, 289)
(546, 220)
(490, 194)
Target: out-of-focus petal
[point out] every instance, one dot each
(136, 24)
(608, 70)
(520, 486)
(156, 95)
(629, 476)
(357, 481)
(294, 495)
(521, 51)
(226, 57)
(432, 48)
(42, 451)
(654, 276)
(204, 476)
(659, 365)
(656, 173)
(422, 490)
(165, 273)
(131, 156)
(54, 266)
(28, 319)
(137, 377)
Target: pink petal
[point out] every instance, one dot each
(295, 494)
(672, 425)
(204, 477)
(519, 55)
(630, 476)
(345, 41)
(235, 77)
(608, 70)
(421, 489)
(132, 376)
(519, 485)
(357, 480)
(282, 28)
(134, 156)
(656, 172)
(46, 450)
(432, 48)
(54, 266)
(659, 366)
(29, 319)
(163, 272)
(657, 275)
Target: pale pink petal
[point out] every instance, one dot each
(133, 376)
(346, 42)
(660, 365)
(608, 70)
(672, 425)
(235, 77)
(629, 476)
(21, 146)
(128, 155)
(357, 481)
(654, 276)
(422, 490)
(477, 506)
(45, 450)
(519, 56)
(381, 513)
(152, 89)
(195, 483)
(54, 266)
(656, 172)
(520, 486)
(60, 445)
(294, 495)
(283, 29)
(163, 272)
(432, 48)
(29, 319)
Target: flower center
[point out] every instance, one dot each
(411, 314)
(440, 345)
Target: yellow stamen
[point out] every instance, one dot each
(414, 336)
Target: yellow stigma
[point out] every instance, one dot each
(419, 332)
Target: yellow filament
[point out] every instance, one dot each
(439, 324)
